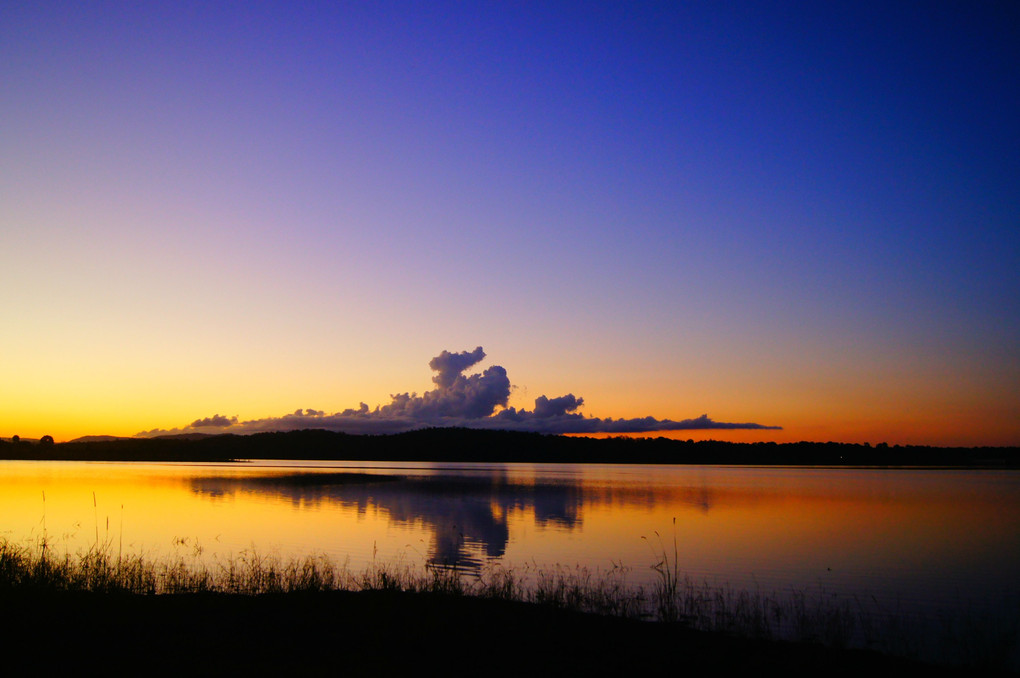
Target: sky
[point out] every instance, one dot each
(799, 215)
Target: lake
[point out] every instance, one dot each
(938, 544)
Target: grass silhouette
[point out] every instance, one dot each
(675, 601)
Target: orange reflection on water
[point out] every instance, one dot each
(902, 530)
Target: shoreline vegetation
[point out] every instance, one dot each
(471, 445)
(260, 614)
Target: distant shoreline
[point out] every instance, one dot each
(470, 445)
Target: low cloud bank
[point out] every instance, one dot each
(215, 421)
(471, 401)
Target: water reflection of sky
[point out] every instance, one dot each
(467, 516)
(908, 535)
(756, 520)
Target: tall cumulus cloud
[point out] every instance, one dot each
(472, 401)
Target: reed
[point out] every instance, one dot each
(674, 599)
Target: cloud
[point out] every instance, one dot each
(448, 366)
(215, 421)
(557, 407)
(455, 396)
(520, 420)
(472, 401)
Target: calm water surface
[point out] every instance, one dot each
(902, 538)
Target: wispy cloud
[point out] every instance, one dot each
(472, 401)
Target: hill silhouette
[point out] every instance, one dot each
(471, 445)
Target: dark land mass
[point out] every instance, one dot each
(469, 445)
(384, 633)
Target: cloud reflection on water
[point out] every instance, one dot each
(467, 516)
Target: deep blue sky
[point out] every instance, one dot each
(803, 214)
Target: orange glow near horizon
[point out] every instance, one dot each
(121, 392)
(822, 434)
(961, 418)
(943, 435)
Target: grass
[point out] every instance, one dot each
(674, 599)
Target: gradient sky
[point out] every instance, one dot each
(799, 214)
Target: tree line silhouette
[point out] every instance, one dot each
(471, 445)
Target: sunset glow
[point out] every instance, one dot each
(793, 215)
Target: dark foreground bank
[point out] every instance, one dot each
(382, 633)
(469, 445)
